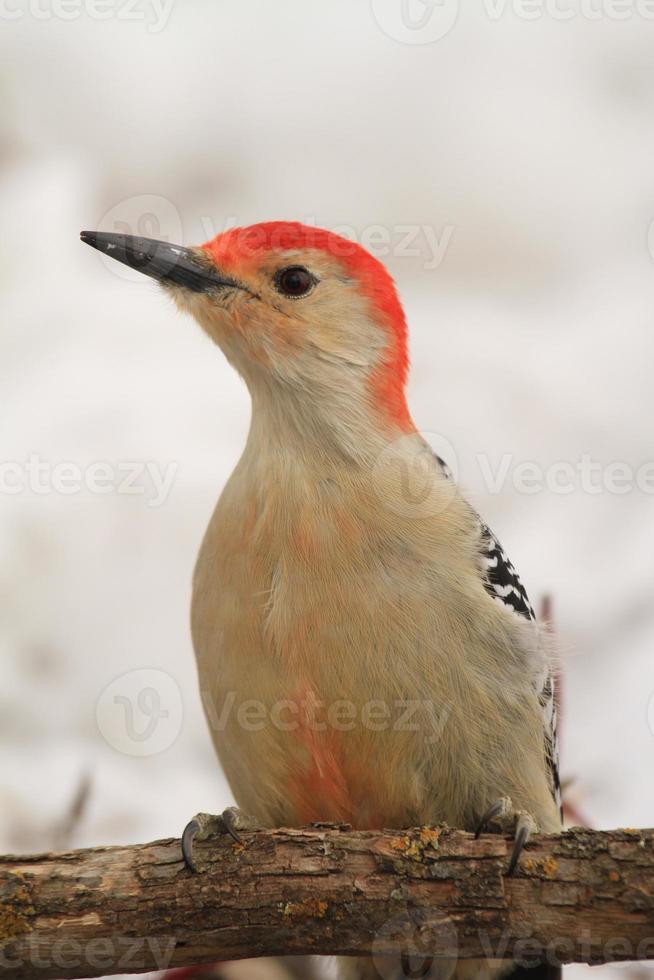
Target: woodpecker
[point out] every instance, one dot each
(397, 672)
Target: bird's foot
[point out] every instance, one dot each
(503, 816)
(206, 825)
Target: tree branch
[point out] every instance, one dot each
(582, 896)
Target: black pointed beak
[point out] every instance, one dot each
(167, 263)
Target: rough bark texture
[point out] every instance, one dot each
(583, 896)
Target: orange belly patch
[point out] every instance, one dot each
(329, 785)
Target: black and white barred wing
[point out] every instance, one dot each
(503, 584)
(502, 580)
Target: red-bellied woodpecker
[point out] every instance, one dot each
(379, 651)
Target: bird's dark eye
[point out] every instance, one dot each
(295, 281)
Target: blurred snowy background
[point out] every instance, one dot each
(515, 159)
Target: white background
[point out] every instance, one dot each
(530, 140)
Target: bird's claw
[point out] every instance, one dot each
(509, 821)
(494, 813)
(202, 826)
(188, 836)
(205, 825)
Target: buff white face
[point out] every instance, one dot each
(292, 307)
